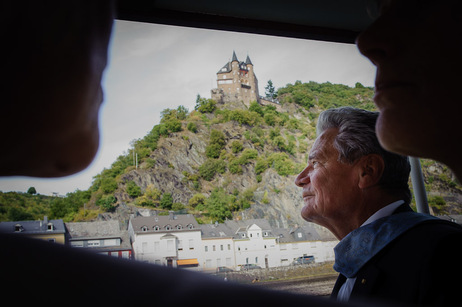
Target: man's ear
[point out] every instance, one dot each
(371, 168)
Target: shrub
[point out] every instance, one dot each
(167, 201)
(108, 185)
(211, 167)
(133, 189)
(192, 127)
(247, 155)
(235, 167)
(236, 146)
(197, 199)
(107, 203)
(261, 166)
(213, 151)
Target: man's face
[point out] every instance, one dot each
(414, 45)
(330, 187)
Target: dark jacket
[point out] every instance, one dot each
(422, 266)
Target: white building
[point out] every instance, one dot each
(178, 241)
(173, 240)
(217, 247)
(307, 240)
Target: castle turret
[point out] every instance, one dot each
(236, 81)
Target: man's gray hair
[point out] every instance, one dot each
(357, 138)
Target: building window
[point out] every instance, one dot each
(18, 228)
(168, 227)
(256, 260)
(144, 228)
(229, 247)
(190, 226)
(191, 244)
(156, 228)
(50, 227)
(221, 247)
(180, 245)
(179, 227)
(170, 245)
(206, 248)
(213, 248)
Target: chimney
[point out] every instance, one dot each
(45, 220)
(171, 215)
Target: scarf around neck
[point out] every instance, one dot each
(363, 243)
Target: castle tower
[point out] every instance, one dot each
(236, 81)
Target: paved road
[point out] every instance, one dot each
(314, 286)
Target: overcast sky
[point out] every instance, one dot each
(153, 67)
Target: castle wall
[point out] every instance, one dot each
(237, 84)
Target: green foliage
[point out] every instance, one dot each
(245, 117)
(247, 155)
(212, 167)
(133, 189)
(32, 191)
(270, 91)
(205, 105)
(235, 167)
(192, 127)
(261, 165)
(283, 165)
(150, 198)
(327, 95)
(177, 206)
(107, 203)
(218, 205)
(108, 185)
(256, 107)
(236, 146)
(265, 198)
(217, 143)
(197, 199)
(166, 201)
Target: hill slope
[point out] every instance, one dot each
(230, 161)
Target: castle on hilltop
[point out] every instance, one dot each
(236, 81)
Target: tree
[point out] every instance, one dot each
(31, 191)
(270, 91)
(133, 189)
(167, 201)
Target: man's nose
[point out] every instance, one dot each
(303, 178)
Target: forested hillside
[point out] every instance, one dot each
(220, 162)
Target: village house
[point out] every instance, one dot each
(304, 241)
(102, 237)
(173, 240)
(49, 230)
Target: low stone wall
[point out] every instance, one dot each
(281, 273)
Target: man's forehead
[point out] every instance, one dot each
(323, 145)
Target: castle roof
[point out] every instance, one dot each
(248, 61)
(234, 57)
(242, 65)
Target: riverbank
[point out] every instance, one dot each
(281, 274)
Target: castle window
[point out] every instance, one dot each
(156, 228)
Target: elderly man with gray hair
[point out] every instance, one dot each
(359, 191)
